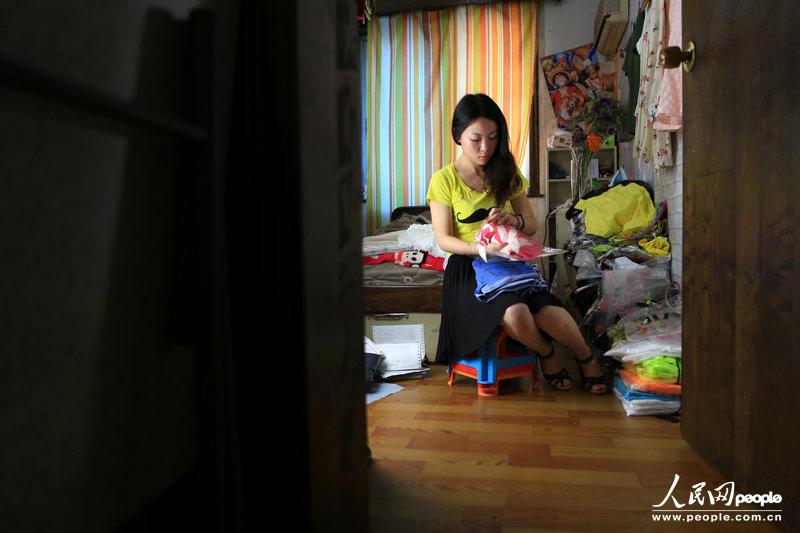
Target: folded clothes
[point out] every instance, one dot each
(637, 403)
(650, 407)
(663, 369)
(637, 383)
(500, 275)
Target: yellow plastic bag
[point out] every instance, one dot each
(658, 246)
(621, 208)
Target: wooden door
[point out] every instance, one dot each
(741, 190)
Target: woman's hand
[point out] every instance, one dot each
(500, 217)
(493, 248)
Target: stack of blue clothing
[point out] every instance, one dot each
(500, 275)
(637, 403)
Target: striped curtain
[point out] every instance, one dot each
(418, 66)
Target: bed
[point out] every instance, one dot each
(390, 288)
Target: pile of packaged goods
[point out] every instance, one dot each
(621, 252)
(647, 350)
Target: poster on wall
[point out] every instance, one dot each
(574, 76)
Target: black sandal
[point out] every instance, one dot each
(590, 382)
(556, 381)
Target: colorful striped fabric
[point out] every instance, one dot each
(419, 64)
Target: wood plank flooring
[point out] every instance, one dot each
(448, 460)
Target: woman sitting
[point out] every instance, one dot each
(485, 185)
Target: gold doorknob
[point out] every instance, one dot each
(673, 56)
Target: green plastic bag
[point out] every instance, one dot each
(663, 369)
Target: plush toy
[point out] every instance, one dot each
(520, 247)
(412, 258)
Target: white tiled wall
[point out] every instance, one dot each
(668, 185)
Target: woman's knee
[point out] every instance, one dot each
(517, 317)
(553, 315)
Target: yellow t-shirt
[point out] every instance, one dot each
(446, 187)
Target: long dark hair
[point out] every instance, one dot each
(501, 170)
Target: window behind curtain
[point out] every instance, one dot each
(362, 71)
(418, 65)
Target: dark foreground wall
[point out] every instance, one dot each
(98, 360)
(180, 305)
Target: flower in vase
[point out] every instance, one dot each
(594, 142)
(601, 117)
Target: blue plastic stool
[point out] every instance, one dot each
(497, 359)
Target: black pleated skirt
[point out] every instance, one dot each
(468, 322)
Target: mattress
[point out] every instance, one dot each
(393, 275)
(387, 239)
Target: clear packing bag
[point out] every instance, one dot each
(647, 327)
(655, 320)
(623, 288)
(633, 352)
(587, 266)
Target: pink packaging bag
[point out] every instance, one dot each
(520, 246)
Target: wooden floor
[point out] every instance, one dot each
(447, 460)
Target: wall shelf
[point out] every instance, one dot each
(607, 158)
(559, 190)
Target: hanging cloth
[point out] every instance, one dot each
(649, 144)
(631, 67)
(670, 104)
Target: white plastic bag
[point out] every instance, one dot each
(637, 351)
